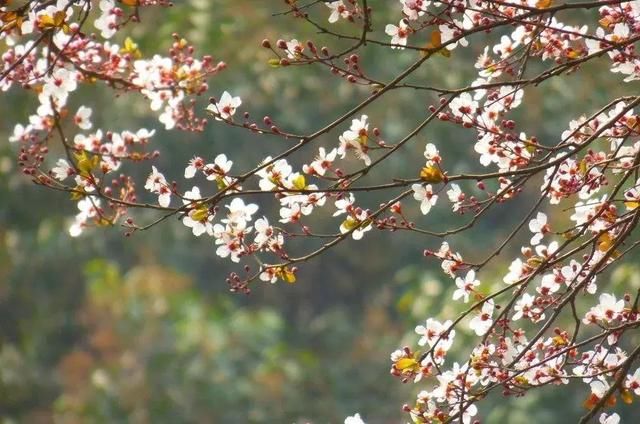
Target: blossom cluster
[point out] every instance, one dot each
(582, 186)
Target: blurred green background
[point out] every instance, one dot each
(104, 328)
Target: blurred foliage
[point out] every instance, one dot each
(111, 329)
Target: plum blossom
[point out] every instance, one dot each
(356, 139)
(274, 175)
(470, 412)
(450, 31)
(226, 107)
(195, 164)
(413, 9)
(506, 47)
(632, 382)
(89, 208)
(463, 106)
(263, 231)
(62, 170)
(354, 419)
(434, 332)
(358, 223)
(398, 34)
(321, 163)
(338, 10)
(574, 274)
(456, 196)
(218, 170)
(82, 118)
(609, 419)
(344, 203)
(524, 308)
(239, 213)
(432, 154)
(58, 86)
(229, 241)
(20, 133)
(465, 286)
(607, 310)
(199, 218)
(538, 226)
(481, 323)
(107, 21)
(424, 195)
(294, 49)
(156, 183)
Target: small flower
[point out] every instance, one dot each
(264, 231)
(156, 183)
(456, 196)
(291, 213)
(424, 195)
(414, 8)
(63, 170)
(482, 322)
(607, 310)
(218, 169)
(609, 419)
(633, 382)
(434, 332)
(338, 10)
(524, 307)
(239, 213)
(356, 139)
(294, 49)
(599, 389)
(451, 31)
(199, 218)
(58, 86)
(226, 107)
(344, 203)
(398, 34)
(274, 175)
(107, 22)
(82, 118)
(355, 419)
(357, 223)
(432, 154)
(20, 133)
(195, 164)
(465, 287)
(539, 227)
(321, 163)
(464, 107)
